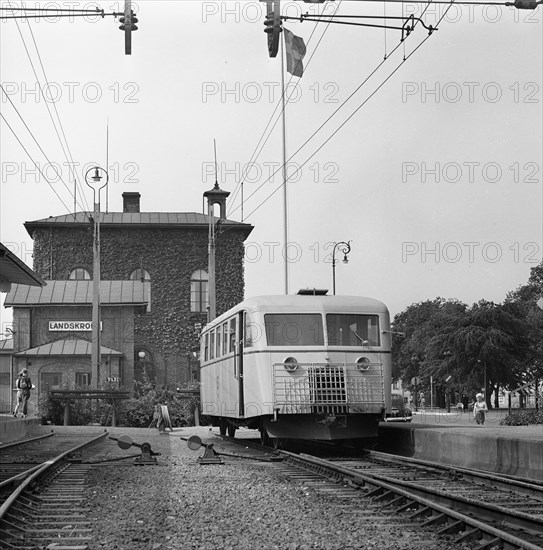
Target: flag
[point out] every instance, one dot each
(295, 50)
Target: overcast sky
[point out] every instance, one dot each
(436, 178)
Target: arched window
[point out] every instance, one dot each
(199, 291)
(140, 275)
(79, 274)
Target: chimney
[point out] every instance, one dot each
(131, 201)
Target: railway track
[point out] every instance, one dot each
(42, 493)
(461, 505)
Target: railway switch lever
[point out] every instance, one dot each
(210, 454)
(147, 454)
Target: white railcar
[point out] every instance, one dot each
(298, 367)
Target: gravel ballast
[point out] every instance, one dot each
(241, 504)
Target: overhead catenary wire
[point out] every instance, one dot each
(330, 117)
(341, 106)
(71, 164)
(307, 63)
(35, 140)
(35, 163)
(270, 178)
(64, 145)
(350, 116)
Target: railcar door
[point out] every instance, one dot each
(238, 361)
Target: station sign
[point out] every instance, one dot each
(71, 326)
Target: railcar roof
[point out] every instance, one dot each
(307, 304)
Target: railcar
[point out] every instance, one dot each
(298, 367)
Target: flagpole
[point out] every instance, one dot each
(285, 210)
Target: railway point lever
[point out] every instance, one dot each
(147, 454)
(210, 455)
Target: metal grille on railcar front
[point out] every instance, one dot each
(318, 388)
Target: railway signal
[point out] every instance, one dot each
(273, 26)
(128, 24)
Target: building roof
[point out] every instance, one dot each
(112, 293)
(14, 270)
(6, 345)
(68, 346)
(136, 219)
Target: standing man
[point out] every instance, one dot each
(19, 395)
(25, 385)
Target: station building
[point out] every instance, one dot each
(153, 293)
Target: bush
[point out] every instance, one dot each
(138, 411)
(135, 413)
(523, 418)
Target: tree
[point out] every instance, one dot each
(486, 347)
(420, 323)
(523, 302)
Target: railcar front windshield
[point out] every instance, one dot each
(352, 330)
(294, 329)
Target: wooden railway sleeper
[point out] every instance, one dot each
(488, 544)
(466, 536)
(408, 505)
(435, 520)
(422, 511)
(452, 528)
(387, 495)
(398, 500)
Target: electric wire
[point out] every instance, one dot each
(335, 112)
(332, 115)
(351, 115)
(35, 164)
(281, 111)
(35, 141)
(48, 108)
(71, 164)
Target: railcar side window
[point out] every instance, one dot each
(294, 329)
(232, 336)
(224, 338)
(352, 330)
(219, 333)
(206, 347)
(212, 344)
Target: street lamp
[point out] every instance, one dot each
(95, 183)
(345, 248)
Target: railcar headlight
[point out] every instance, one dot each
(290, 364)
(363, 364)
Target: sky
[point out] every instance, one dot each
(424, 154)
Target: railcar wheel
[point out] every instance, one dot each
(278, 443)
(231, 430)
(222, 426)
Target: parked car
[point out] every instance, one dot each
(400, 411)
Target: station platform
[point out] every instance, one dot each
(454, 438)
(12, 428)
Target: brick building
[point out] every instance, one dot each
(154, 275)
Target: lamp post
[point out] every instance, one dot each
(95, 183)
(345, 248)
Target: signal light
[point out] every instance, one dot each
(128, 24)
(133, 21)
(273, 27)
